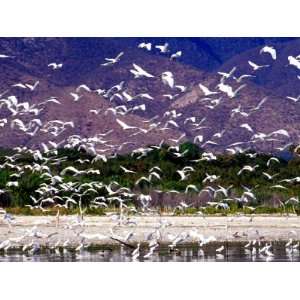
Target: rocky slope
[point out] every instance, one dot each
(201, 60)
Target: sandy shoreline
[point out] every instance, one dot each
(271, 228)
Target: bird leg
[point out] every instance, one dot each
(121, 214)
(57, 219)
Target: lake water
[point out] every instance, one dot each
(233, 252)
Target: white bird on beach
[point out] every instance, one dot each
(80, 246)
(5, 244)
(203, 240)
(182, 206)
(96, 236)
(289, 243)
(136, 252)
(220, 249)
(248, 244)
(269, 253)
(151, 251)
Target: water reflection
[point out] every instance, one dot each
(183, 253)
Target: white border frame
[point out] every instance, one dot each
(150, 280)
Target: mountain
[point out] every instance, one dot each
(276, 82)
(200, 62)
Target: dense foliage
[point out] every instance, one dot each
(226, 167)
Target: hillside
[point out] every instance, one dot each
(165, 112)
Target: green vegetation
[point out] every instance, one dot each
(267, 198)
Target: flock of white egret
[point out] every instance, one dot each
(27, 118)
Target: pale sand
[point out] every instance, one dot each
(270, 227)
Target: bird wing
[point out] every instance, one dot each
(252, 64)
(204, 89)
(119, 55)
(141, 71)
(239, 88)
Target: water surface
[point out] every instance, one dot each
(233, 252)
